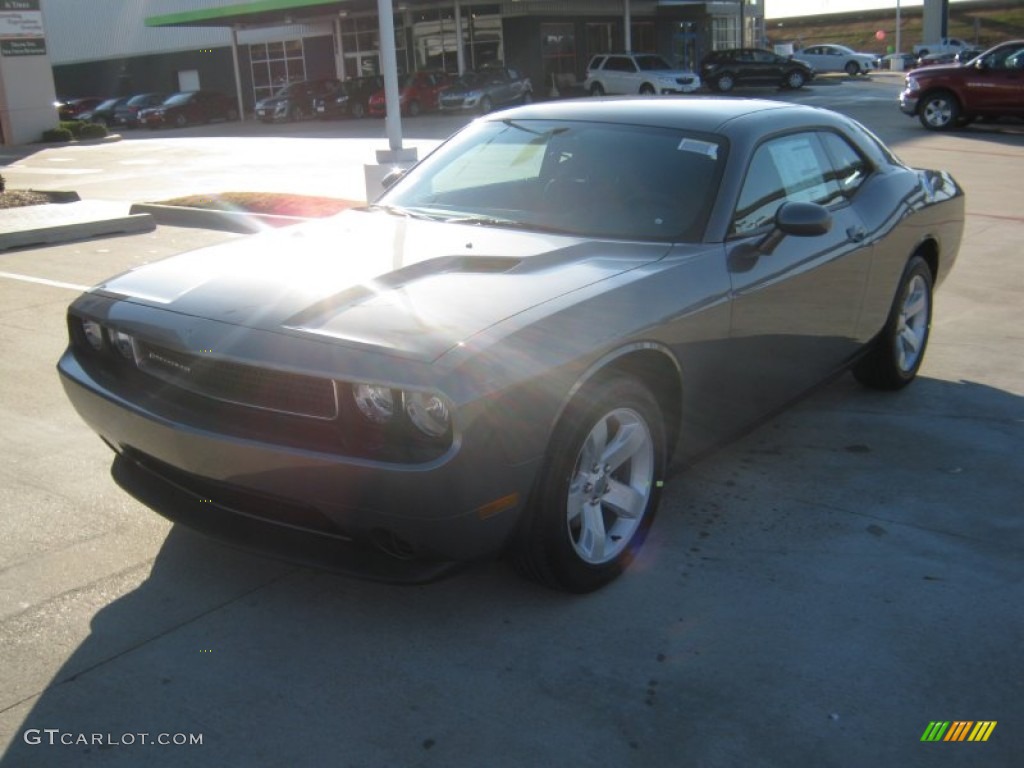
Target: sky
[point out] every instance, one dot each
(778, 9)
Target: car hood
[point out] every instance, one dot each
(401, 286)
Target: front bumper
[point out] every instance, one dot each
(908, 104)
(461, 506)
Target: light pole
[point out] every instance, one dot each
(898, 48)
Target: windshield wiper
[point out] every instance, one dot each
(397, 210)
(482, 220)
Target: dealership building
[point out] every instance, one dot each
(113, 47)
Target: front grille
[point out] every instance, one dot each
(248, 385)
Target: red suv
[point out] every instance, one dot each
(419, 94)
(950, 96)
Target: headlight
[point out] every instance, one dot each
(122, 343)
(912, 85)
(429, 412)
(375, 401)
(93, 333)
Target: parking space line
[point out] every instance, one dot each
(44, 281)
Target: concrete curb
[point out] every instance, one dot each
(227, 221)
(64, 222)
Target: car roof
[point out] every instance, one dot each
(706, 114)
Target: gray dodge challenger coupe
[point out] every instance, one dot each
(505, 351)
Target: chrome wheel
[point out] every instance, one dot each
(611, 486)
(939, 112)
(895, 356)
(912, 325)
(597, 495)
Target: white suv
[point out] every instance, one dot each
(647, 73)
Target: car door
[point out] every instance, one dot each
(768, 66)
(816, 56)
(795, 309)
(999, 87)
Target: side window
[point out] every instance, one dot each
(793, 168)
(851, 169)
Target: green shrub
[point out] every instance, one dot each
(91, 131)
(57, 135)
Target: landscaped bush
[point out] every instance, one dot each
(91, 131)
(57, 135)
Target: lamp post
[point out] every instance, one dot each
(898, 48)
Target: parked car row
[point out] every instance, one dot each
(152, 110)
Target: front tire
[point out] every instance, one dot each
(725, 83)
(181, 121)
(852, 68)
(795, 79)
(486, 105)
(899, 350)
(414, 108)
(646, 89)
(598, 492)
(939, 111)
(357, 111)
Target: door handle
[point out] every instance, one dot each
(856, 234)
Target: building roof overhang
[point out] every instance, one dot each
(258, 13)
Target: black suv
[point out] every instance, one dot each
(723, 70)
(349, 99)
(293, 102)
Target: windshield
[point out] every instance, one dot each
(580, 178)
(178, 98)
(471, 80)
(651, 62)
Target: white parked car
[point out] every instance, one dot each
(838, 58)
(628, 73)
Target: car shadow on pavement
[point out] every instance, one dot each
(835, 563)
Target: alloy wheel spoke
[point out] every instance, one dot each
(630, 439)
(593, 534)
(915, 306)
(625, 500)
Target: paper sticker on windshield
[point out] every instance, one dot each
(700, 147)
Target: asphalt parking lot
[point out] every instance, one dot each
(814, 594)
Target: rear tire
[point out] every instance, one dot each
(414, 108)
(898, 352)
(597, 89)
(646, 89)
(358, 111)
(597, 494)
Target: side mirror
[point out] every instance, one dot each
(392, 178)
(798, 220)
(981, 65)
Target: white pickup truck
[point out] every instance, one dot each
(945, 45)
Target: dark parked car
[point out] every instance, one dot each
(350, 98)
(104, 111)
(127, 115)
(293, 102)
(419, 93)
(989, 86)
(505, 351)
(724, 70)
(190, 108)
(484, 90)
(72, 109)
